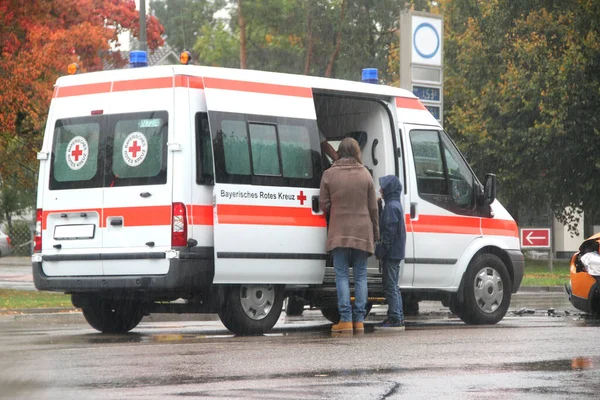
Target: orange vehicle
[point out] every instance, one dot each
(584, 289)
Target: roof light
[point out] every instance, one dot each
(369, 75)
(185, 57)
(138, 58)
(72, 69)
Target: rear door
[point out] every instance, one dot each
(72, 202)
(138, 194)
(267, 225)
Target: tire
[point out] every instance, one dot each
(332, 314)
(294, 306)
(487, 291)
(112, 316)
(454, 306)
(251, 309)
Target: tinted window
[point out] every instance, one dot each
(75, 155)
(138, 147)
(265, 155)
(443, 176)
(204, 155)
(295, 151)
(265, 150)
(109, 150)
(235, 144)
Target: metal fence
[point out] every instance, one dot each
(21, 236)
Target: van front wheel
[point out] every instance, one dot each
(487, 291)
(112, 316)
(251, 309)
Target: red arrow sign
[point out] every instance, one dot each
(535, 237)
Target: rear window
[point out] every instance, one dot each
(139, 149)
(110, 150)
(75, 156)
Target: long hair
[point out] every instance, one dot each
(349, 148)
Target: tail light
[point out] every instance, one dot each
(8, 240)
(38, 231)
(179, 226)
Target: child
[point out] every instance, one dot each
(391, 248)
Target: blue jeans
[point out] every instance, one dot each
(391, 273)
(343, 259)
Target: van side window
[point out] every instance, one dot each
(138, 142)
(204, 156)
(75, 156)
(235, 144)
(443, 177)
(265, 150)
(265, 156)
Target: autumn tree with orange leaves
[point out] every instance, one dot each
(38, 39)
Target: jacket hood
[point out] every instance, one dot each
(391, 187)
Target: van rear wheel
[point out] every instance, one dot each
(112, 316)
(251, 309)
(487, 291)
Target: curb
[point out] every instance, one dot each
(543, 289)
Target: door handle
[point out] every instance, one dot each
(116, 222)
(315, 205)
(145, 194)
(413, 210)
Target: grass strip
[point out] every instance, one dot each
(537, 273)
(11, 299)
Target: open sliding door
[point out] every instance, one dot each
(267, 225)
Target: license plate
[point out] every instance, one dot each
(74, 232)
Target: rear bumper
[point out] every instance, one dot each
(193, 271)
(518, 263)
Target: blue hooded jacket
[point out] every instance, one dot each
(392, 228)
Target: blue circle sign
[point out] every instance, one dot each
(426, 40)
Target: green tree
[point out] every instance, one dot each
(521, 90)
(186, 21)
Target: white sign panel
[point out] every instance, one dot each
(427, 40)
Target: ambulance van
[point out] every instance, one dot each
(190, 189)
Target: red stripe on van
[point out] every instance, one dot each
(80, 90)
(266, 215)
(403, 102)
(446, 224)
(143, 84)
(500, 227)
(187, 81)
(200, 215)
(255, 87)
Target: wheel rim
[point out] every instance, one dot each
(489, 290)
(257, 300)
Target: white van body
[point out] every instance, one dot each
(199, 183)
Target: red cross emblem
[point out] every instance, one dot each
(133, 149)
(301, 197)
(76, 153)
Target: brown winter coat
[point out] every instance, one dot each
(348, 194)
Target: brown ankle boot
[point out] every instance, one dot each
(342, 327)
(358, 326)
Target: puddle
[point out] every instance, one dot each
(574, 364)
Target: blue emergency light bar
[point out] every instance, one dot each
(369, 75)
(138, 58)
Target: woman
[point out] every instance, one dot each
(348, 194)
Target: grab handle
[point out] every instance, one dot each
(375, 143)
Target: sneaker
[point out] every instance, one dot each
(342, 327)
(358, 326)
(388, 325)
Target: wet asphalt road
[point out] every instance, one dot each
(530, 356)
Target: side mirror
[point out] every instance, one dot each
(489, 188)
